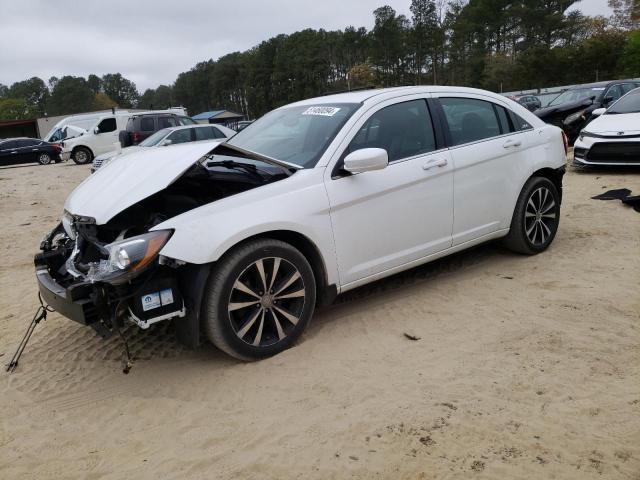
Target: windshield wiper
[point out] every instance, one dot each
(233, 165)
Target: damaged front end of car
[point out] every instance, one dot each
(103, 267)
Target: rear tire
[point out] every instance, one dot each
(536, 217)
(82, 156)
(259, 299)
(44, 159)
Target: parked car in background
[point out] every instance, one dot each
(241, 239)
(26, 150)
(530, 102)
(141, 126)
(613, 137)
(572, 109)
(101, 137)
(241, 125)
(169, 136)
(72, 126)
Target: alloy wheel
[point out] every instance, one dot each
(541, 216)
(44, 159)
(266, 301)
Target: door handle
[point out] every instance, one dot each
(14, 152)
(437, 162)
(511, 143)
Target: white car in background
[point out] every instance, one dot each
(613, 138)
(169, 136)
(241, 240)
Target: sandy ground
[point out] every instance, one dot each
(527, 367)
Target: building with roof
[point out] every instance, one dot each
(224, 117)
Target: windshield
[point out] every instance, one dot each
(575, 95)
(297, 134)
(630, 103)
(156, 138)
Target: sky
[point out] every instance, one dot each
(152, 41)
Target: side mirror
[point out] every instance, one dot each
(166, 142)
(96, 130)
(598, 111)
(366, 160)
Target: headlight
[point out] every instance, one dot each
(584, 133)
(128, 257)
(574, 116)
(67, 222)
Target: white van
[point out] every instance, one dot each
(101, 136)
(70, 127)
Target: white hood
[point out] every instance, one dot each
(129, 179)
(612, 124)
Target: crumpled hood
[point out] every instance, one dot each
(629, 123)
(126, 180)
(567, 107)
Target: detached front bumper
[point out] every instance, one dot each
(74, 302)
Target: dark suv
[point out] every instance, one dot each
(571, 110)
(141, 126)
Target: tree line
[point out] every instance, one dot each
(499, 45)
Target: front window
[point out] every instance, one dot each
(180, 136)
(403, 130)
(575, 95)
(298, 134)
(156, 138)
(628, 104)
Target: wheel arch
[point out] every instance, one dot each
(76, 147)
(325, 293)
(553, 174)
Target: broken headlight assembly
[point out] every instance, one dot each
(128, 257)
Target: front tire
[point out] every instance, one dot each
(259, 299)
(81, 156)
(536, 217)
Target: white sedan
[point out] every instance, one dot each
(613, 138)
(169, 136)
(243, 239)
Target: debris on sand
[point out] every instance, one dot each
(412, 336)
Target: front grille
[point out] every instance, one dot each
(615, 152)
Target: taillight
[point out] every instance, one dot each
(565, 142)
(136, 137)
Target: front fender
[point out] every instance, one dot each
(298, 204)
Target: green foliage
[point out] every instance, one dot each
(120, 90)
(629, 63)
(70, 95)
(15, 109)
(33, 91)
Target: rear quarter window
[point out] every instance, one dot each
(147, 124)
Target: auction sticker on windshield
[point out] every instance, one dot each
(322, 111)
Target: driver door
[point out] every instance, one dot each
(385, 220)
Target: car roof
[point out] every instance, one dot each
(182, 127)
(601, 84)
(362, 96)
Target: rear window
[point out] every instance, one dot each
(470, 119)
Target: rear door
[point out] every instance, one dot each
(27, 150)
(488, 153)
